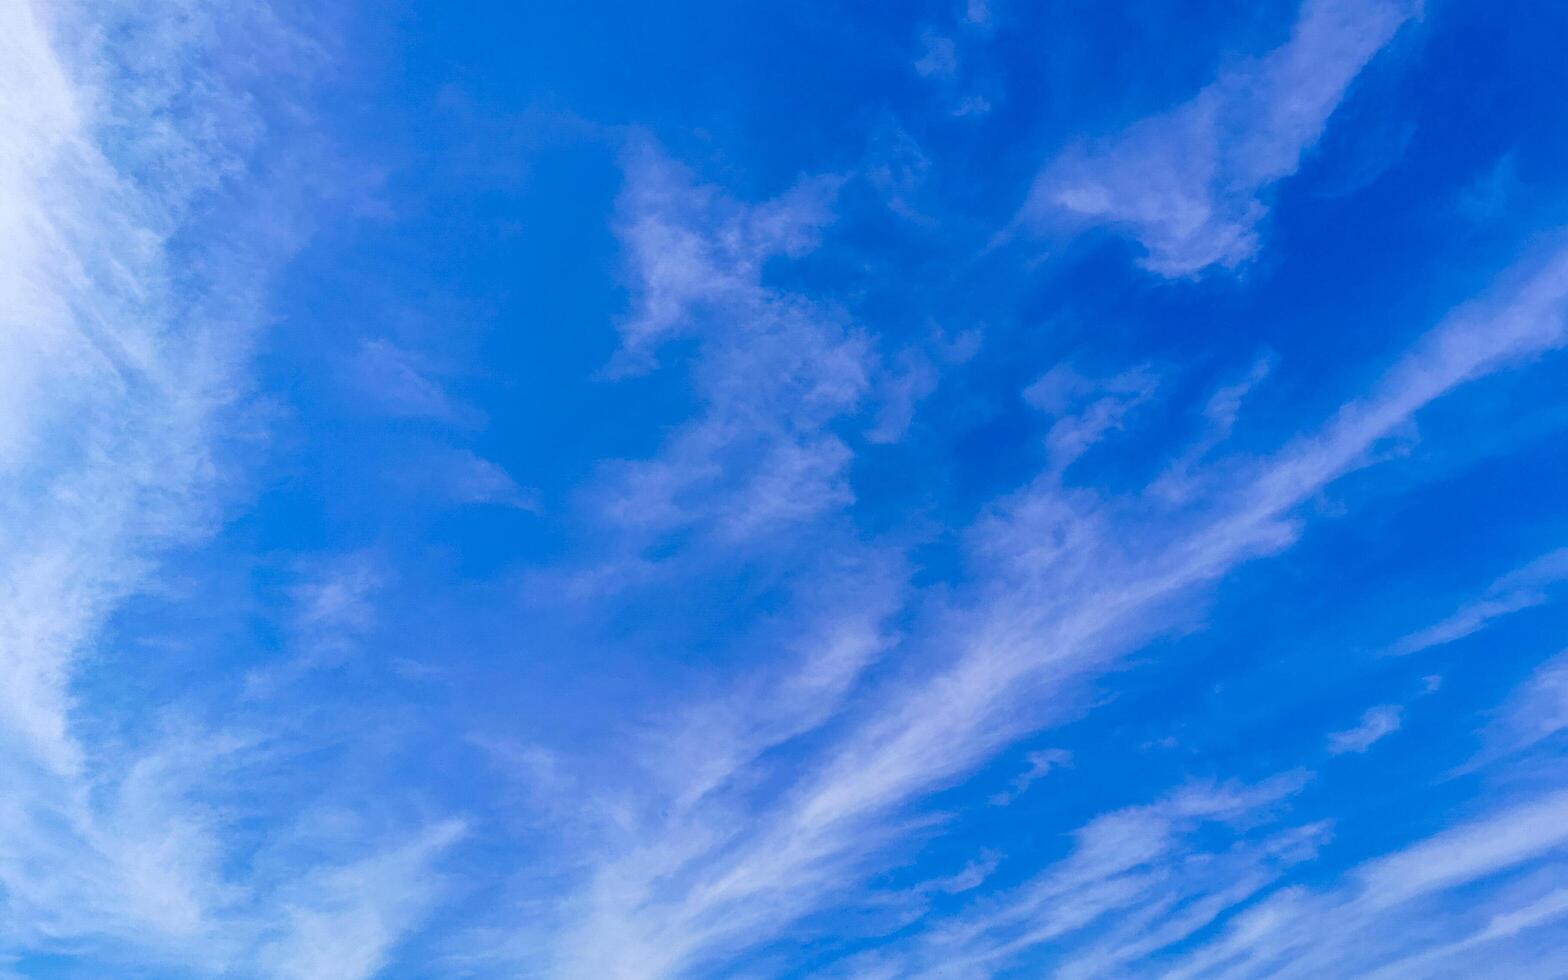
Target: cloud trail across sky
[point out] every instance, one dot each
(495, 491)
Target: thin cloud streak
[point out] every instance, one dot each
(1136, 881)
(1521, 589)
(1379, 911)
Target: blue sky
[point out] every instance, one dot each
(984, 489)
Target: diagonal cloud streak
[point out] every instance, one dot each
(1075, 588)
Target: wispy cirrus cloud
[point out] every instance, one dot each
(1376, 724)
(696, 769)
(345, 921)
(398, 382)
(1384, 914)
(1531, 585)
(1506, 922)
(1068, 592)
(97, 349)
(1136, 881)
(128, 136)
(1141, 885)
(1086, 410)
(1188, 184)
(818, 620)
(774, 371)
(332, 610)
(1041, 764)
(461, 476)
(1535, 712)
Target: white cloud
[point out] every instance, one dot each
(1188, 184)
(479, 481)
(938, 56)
(911, 379)
(1387, 914)
(1492, 195)
(344, 922)
(1086, 410)
(1376, 724)
(1224, 405)
(1074, 584)
(333, 608)
(897, 168)
(464, 477)
(1524, 588)
(127, 131)
(1136, 881)
(1220, 413)
(1535, 712)
(692, 251)
(773, 372)
(1505, 924)
(701, 763)
(137, 860)
(333, 603)
(94, 349)
(397, 382)
(1040, 764)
